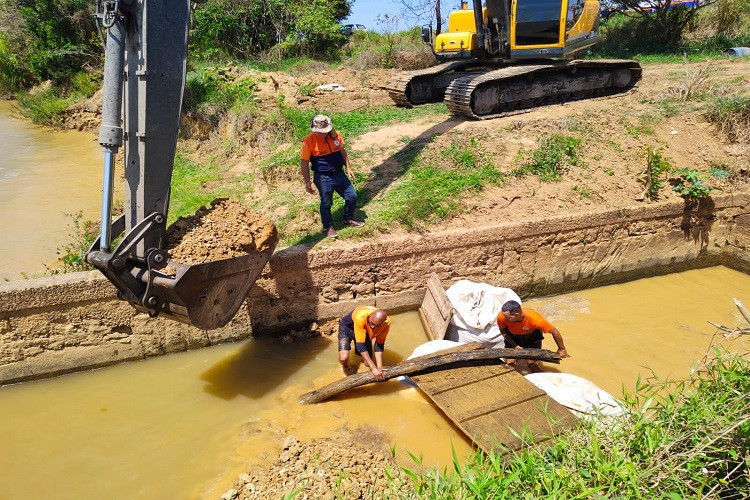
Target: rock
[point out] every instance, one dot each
(230, 494)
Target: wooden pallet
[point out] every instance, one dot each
(494, 405)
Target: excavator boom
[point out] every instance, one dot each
(144, 79)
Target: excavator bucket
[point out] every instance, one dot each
(207, 295)
(203, 294)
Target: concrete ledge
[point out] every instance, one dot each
(59, 324)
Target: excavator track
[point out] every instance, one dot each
(423, 86)
(516, 89)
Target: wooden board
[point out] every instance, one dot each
(436, 310)
(488, 403)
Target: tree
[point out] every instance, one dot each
(242, 28)
(661, 21)
(424, 12)
(52, 39)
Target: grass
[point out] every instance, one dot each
(188, 187)
(49, 106)
(732, 116)
(685, 439)
(554, 154)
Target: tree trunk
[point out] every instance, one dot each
(424, 363)
(438, 18)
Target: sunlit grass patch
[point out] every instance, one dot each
(548, 161)
(732, 116)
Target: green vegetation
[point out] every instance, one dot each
(732, 116)
(49, 106)
(549, 160)
(188, 182)
(83, 233)
(689, 184)
(686, 439)
(431, 191)
(657, 169)
(675, 35)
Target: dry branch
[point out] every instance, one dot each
(423, 363)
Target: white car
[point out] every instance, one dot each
(349, 29)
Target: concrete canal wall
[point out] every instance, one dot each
(60, 324)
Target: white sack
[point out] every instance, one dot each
(576, 393)
(476, 306)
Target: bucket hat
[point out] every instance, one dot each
(321, 123)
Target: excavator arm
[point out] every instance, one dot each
(144, 80)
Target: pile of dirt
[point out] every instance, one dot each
(227, 229)
(350, 466)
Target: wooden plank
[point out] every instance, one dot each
(494, 405)
(425, 324)
(436, 309)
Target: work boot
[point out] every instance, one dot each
(331, 232)
(354, 223)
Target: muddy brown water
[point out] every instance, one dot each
(44, 175)
(185, 425)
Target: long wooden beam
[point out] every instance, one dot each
(423, 363)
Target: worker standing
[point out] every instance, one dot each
(524, 328)
(324, 149)
(364, 325)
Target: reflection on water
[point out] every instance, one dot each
(44, 175)
(185, 425)
(259, 367)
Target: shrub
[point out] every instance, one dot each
(71, 255)
(549, 160)
(13, 75)
(689, 184)
(46, 107)
(657, 169)
(732, 116)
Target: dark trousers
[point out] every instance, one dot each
(531, 341)
(327, 183)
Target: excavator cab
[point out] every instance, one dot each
(144, 80)
(519, 29)
(553, 28)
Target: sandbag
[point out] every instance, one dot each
(476, 306)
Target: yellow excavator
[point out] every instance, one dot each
(145, 60)
(511, 55)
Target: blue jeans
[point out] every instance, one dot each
(327, 184)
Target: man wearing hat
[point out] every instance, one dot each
(324, 149)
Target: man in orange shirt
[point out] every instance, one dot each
(524, 328)
(364, 325)
(324, 149)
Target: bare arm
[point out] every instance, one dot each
(559, 341)
(304, 168)
(376, 369)
(346, 162)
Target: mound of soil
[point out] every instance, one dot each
(227, 229)
(344, 467)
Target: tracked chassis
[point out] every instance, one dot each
(496, 88)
